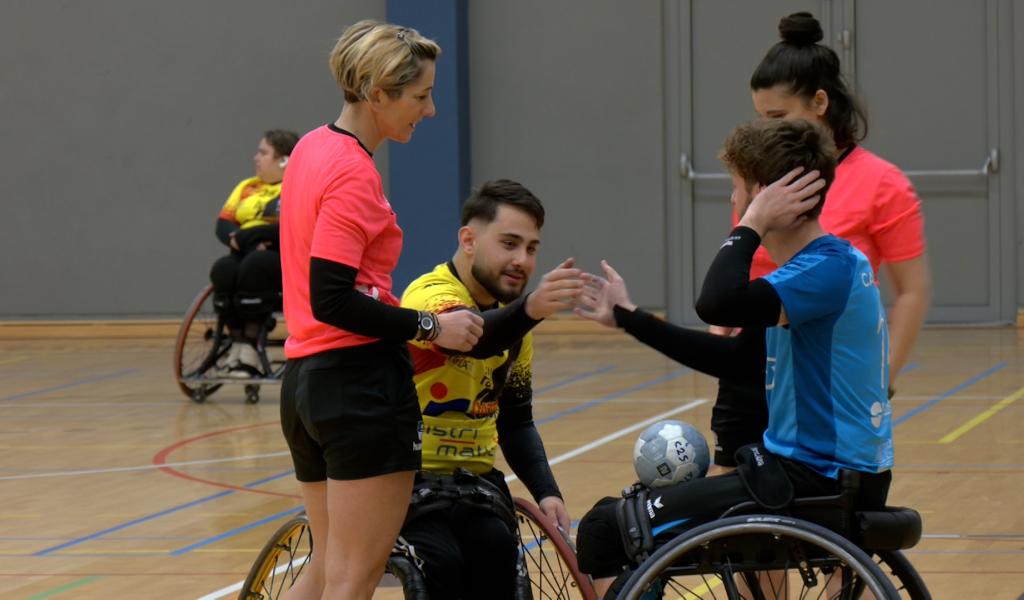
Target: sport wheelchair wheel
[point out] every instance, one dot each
(280, 561)
(758, 556)
(549, 557)
(200, 346)
(902, 574)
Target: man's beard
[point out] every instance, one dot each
(492, 284)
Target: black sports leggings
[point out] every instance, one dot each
(240, 280)
(468, 551)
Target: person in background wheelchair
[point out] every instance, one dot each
(461, 526)
(822, 359)
(247, 281)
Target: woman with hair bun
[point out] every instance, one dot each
(349, 410)
(871, 204)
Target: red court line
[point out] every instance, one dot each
(160, 458)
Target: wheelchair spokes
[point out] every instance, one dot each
(280, 562)
(548, 557)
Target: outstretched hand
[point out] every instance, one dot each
(558, 290)
(784, 202)
(601, 294)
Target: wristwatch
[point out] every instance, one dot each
(428, 328)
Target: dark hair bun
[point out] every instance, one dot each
(800, 29)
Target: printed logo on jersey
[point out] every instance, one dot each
(458, 441)
(769, 373)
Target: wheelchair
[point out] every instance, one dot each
(819, 548)
(547, 562)
(202, 346)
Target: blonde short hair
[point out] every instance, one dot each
(373, 54)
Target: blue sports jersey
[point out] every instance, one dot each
(827, 372)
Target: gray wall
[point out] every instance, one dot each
(566, 98)
(125, 125)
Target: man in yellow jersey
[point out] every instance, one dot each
(461, 522)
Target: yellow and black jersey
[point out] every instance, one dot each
(459, 395)
(253, 202)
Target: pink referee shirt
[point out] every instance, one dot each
(872, 205)
(333, 207)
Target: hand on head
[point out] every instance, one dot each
(783, 203)
(558, 290)
(601, 295)
(459, 330)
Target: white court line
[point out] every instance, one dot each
(142, 468)
(617, 434)
(558, 459)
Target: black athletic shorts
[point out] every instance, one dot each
(352, 413)
(738, 418)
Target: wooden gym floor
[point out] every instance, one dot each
(114, 485)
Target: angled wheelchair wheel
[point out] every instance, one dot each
(758, 557)
(549, 557)
(903, 576)
(280, 561)
(200, 347)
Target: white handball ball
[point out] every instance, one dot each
(670, 452)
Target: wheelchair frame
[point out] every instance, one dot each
(722, 548)
(201, 345)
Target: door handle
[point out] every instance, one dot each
(989, 167)
(687, 172)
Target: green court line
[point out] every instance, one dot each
(65, 587)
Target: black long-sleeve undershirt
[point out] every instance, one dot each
(728, 297)
(738, 358)
(224, 230)
(248, 238)
(503, 328)
(335, 300)
(522, 447)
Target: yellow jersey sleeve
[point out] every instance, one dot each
(253, 202)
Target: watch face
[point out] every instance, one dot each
(426, 323)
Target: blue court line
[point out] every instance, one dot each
(573, 379)
(908, 368)
(613, 396)
(155, 515)
(235, 531)
(919, 409)
(65, 386)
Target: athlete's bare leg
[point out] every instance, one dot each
(310, 584)
(365, 517)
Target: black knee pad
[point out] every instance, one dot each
(222, 303)
(255, 306)
(599, 548)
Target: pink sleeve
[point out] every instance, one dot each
(350, 217)
(897, 225)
